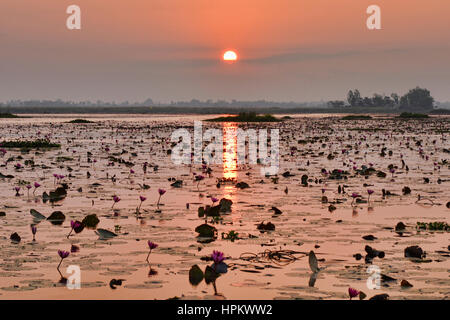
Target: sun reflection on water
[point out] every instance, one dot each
(229, 158)
(230, 151)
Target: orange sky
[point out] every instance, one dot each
(170, 49)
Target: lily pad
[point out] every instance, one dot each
(105, 234)
(37, 215)
(206, 230)
(90, 221)
(195, 275)
(210, 275)
(57, 218)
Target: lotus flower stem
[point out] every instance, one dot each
(60, 263)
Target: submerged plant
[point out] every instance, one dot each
(232, 235)
(433, 226)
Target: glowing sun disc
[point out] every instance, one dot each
(230, 56)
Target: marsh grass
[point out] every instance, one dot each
(80, 121)
(357, 117)
(36, 144)
(247, 117)
(8, 116)
(409, 115)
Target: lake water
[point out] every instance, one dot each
(114, 144)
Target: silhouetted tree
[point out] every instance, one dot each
(354, 98)
(417, 99)
(396, 99)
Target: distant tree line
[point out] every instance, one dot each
(150, 103)
(63, 103)
(416, 99)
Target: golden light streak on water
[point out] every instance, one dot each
(230, 151)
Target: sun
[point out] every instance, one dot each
(230, 56)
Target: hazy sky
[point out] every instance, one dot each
(298, 50)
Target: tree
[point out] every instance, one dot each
(350, 98)
(357, 98)
(377, 100)
(367, 102)
(395, 97)
(354, 98)
(417, 99)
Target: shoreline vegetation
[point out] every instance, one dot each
(8, 116)
(81, 121)
(247, 117)
(15, 112)
(29, 144)
(357, 117)
(415, 101)
(409, 115)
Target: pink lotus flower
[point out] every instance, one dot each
(73, 225)
(352, 293)
(28, 186)
(33, 231)
(142, 198)
(217, 257)
(161, 192)
(199, 178)
(36, 185)
(151, 246)
(369, 191)
(115, 199)
(354, 196)
(62, 254)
